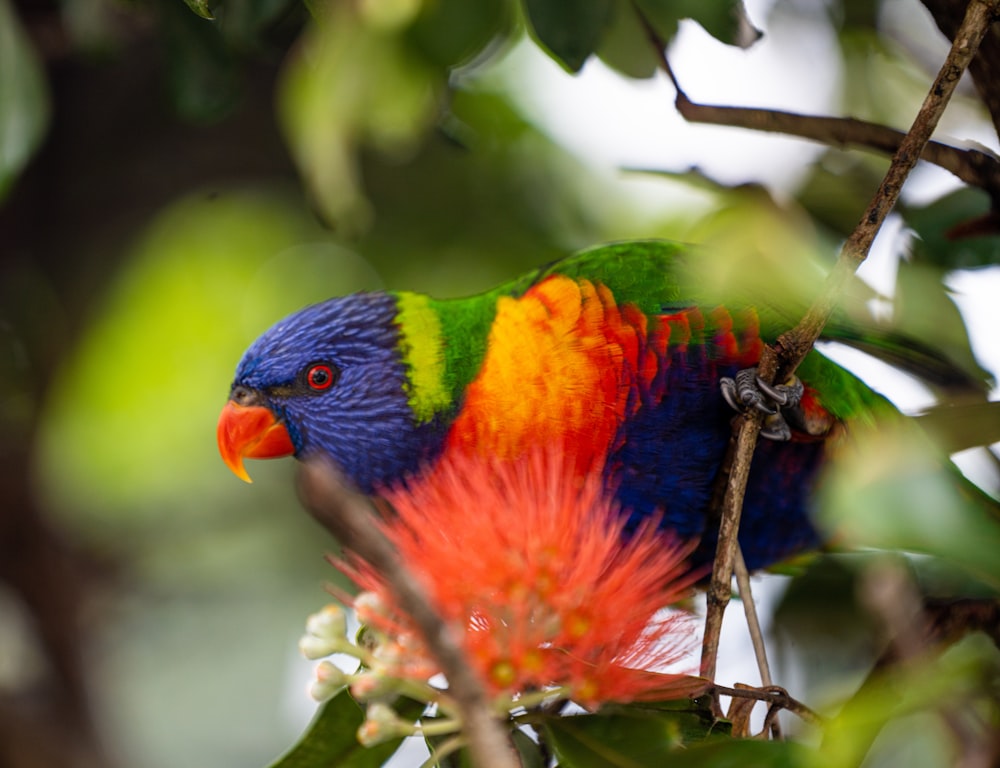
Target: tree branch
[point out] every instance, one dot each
(774, 695)
(348, 515)
(985, 68)
(974, 167)
(793, 345)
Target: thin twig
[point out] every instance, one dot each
(753, 621)
(973, 166)
(720, 585)
(756, 634)
(773, 695)
(793, 345)
(349, 516)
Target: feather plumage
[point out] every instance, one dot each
(614, 354)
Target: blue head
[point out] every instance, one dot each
(328, 379)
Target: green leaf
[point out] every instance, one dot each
(626, 47)
(955, 427)
(528, 750)
(628, 737)
(834, 185)
(893, 490)
(24, 98)
(450, 32)
(933, 224)
(923, 308)
(262, 28)
(820, 624)
(741, 753)
(725, 20)
(331, 738)
(200, 7)
(355, 83)
(202, 76)
(950, 683)
(569, 30)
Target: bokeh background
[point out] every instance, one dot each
(170, 186)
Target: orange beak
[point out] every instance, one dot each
(250, 432)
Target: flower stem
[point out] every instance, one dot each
(447, 748)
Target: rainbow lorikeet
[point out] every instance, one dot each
(610, 353)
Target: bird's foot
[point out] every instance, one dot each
(748, 391)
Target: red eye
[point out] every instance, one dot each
(320, 377)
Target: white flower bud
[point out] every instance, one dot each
(381, 724)
(329, 679)
(313, 647)
(329, 623)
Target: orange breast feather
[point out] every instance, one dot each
(561, 368)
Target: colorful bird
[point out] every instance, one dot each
(612, 354)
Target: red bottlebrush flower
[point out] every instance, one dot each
(529, 561)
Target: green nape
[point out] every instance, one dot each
(443, 342)
(422, 348)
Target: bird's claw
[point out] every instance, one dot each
(748, 390)
(776, 428)
(786, 395)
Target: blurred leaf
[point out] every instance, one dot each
(938, 685)
(855, 14)
(450, 32)
(331, 738)
(625, 45)
(202, 76)
(838, 184)
(131, 419)
(832, 647)
(933, 222)
(725, 20)
(200, 7)
(740, 753)
(924, 309)
(623, 736)
(634, 738)
(890, 489)
(24, 98)
(758, 248)
(354, 83)
(492, 199)
(957, 426)
(260, 26)
(569, 30)
(527, 750)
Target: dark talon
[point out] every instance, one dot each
(776, 428)
(748, 391)
(779, 397)
(764, 409)
(728, 388)
(782, 394)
